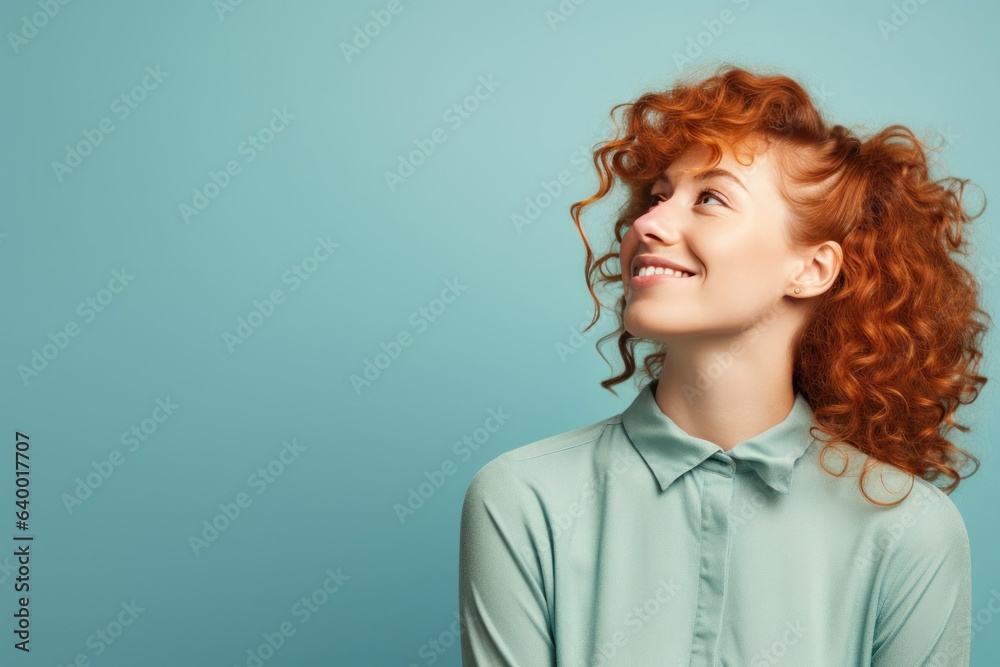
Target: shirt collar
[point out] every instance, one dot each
(670, 452)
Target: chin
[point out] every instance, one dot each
(649, 325)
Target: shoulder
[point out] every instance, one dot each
(918, 526)
(901, 493)
(540, 468)
(907, 517)
(922, 558)
(926, 522)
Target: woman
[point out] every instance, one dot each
(766, 498)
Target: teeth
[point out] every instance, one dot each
(656, 270)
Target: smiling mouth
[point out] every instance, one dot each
(658, 270)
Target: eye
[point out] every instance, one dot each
(712, 194)
(656, 199)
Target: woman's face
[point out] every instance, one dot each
(730, 232)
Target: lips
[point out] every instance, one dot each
(656, 271)
(650, 260)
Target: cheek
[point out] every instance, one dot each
(626, 253)
(742, 264)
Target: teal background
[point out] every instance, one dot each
(493, 347)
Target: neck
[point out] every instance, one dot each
(715, 394)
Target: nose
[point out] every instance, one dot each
(657, 225)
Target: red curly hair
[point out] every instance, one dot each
(892, 348)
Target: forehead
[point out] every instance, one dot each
(749, 161)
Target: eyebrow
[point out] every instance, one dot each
(712, 173)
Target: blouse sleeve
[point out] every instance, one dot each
(502, 603)
(925, 616)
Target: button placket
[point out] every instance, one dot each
(713, 571)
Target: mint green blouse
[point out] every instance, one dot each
(630, 542)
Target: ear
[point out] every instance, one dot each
(820, 267)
